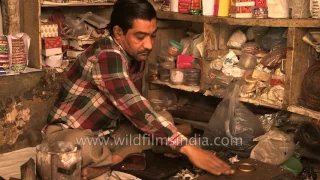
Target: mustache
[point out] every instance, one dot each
(146, 51)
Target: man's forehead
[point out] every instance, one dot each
(142, 25)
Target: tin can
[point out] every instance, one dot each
(260, 12)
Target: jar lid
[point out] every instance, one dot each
(176, 45)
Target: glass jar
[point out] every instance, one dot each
(167, 65)
(176, 76)
(174, 48)
(192, 81)
(164, 75)
(192, 74)
(260, 12)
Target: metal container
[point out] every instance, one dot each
(59, 161)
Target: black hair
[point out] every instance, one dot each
(125, 11)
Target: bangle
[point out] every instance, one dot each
(246, 167)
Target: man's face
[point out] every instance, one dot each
(138, 41)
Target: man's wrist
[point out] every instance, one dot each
(185, 149)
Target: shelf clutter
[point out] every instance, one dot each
(272, 13)
(60, 3)
(62, 42)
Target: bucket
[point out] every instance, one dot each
(293, 165)
(58, 161)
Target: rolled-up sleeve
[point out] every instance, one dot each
(110, 74)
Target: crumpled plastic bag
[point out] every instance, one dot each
(274, 147)
(237, 39)
(233, 125)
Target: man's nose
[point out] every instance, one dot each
(148, 43)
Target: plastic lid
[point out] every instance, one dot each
(293, 165)
(176, 45)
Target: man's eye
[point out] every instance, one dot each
(140, 37)
(153, 36)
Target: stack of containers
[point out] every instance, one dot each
(51, 44)
(167, 59)
(242, 8)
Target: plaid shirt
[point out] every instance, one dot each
(99, 89)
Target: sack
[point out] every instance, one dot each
(233, 125)
(275, 147)
(310, 88)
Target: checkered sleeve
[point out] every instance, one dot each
(111, 76)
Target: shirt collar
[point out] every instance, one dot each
(120, 48)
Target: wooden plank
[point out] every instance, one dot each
(297, 64)
(225, 33)
(240, 22)
(31, 26)
(304, 111)
(74, 4)
(28, 170)
(180, 87)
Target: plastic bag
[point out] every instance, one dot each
(278, 8)
(275, 147)
(75, 27)
(237, 39)
(233, 125)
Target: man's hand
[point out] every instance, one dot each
(206, 160)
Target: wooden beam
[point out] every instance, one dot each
(31, 26)
(11, 16)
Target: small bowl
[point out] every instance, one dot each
(316, 35)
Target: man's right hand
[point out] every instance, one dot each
(206, 160)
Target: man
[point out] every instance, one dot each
(99, 88)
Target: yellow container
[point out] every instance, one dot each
(223, 7)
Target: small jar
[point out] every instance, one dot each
(176, 76)
(167, 65)
(192, 74)
(174, 48)
(260, 12)
(164, 75)
(157, 104)
(192, 82)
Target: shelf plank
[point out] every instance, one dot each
(181, 87)
(304, 111)
(220, 94)
(73, 4)
(195, 124)
(240, 22)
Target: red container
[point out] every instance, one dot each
(49, 43)
(261, 3)
(184, 6)
(184, 61)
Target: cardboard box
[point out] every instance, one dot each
(243, 3)
(48, 29)
(241, 9)
(53, 42)
(51, 52)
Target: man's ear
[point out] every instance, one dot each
(117, 31)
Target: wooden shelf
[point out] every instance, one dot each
(73, 4)
(304, 111)
(220, 94)
(181, 87)
(240, 22)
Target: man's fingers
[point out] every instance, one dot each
(220, 163)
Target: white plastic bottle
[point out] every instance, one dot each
(208, 7)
